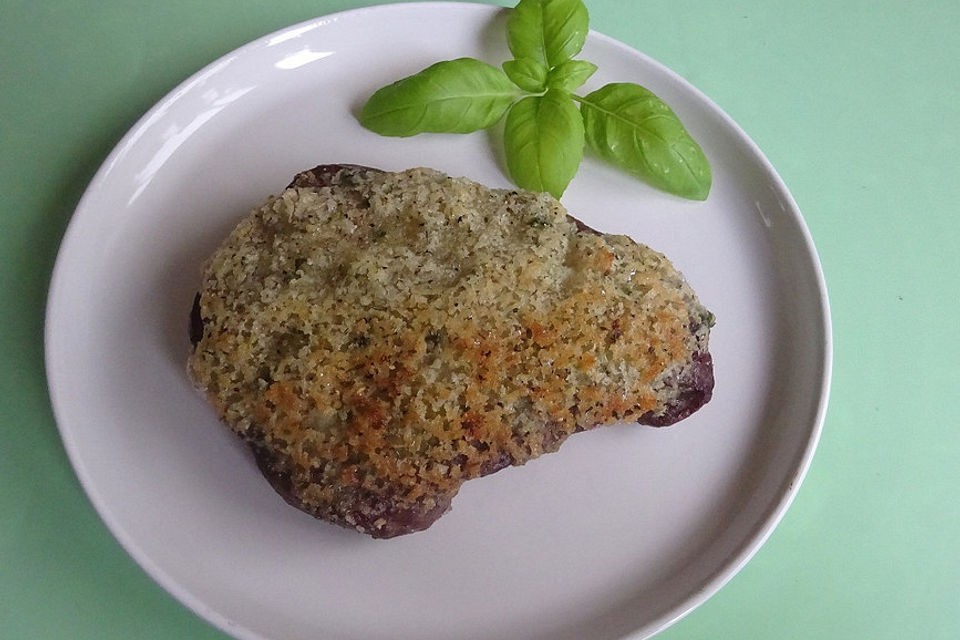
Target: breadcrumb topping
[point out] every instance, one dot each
(395, 334)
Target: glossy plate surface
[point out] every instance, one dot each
(617, 535)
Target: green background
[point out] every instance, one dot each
(856, 103)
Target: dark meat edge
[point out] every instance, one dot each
(694, 388)
(360, 508)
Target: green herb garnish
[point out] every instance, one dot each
(545, 132)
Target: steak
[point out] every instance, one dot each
(378, 338)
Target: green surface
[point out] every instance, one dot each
(856, 103)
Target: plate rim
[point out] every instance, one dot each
(707, 589)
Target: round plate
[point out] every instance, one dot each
(617, 535)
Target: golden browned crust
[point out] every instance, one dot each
(379, 338)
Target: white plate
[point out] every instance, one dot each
(618, 535)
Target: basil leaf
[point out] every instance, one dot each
(454, 96)
(570, 74)
(527, 73)
(543, 140)
(631, 127)
(549, 31)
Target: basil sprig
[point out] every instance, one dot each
(545, 133)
